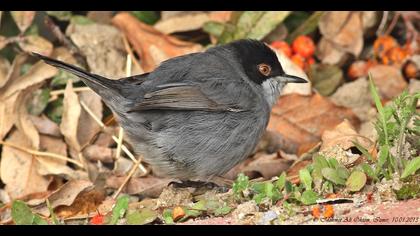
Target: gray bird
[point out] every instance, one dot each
(197, 115)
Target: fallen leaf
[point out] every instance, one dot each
(344, 30)
(143, 37)
(389, 81)
(8, 115)
(141, 217)
(71, 115)
(86, 202)
(35, 43)
(303, 119)
(19, 169)
(329, 54)
(65, 195)
(356, 181)
(344, 134)
(190, 21)
(120, 208)
(325, 78)
(45, 125)
(332, 175)
(87, 126)
(149, 185)
(4, 70)
(14, 69)
(99, 153)
(268, 165)
(23, 19)
(103, 47)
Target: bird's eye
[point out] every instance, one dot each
(264, 69)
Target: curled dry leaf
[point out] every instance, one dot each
(88, 127)
(143, 36)
(303, 119)
(14, 70)
(19, 170)
(7, 114)
(23, 19)
(35, 43)
(65, 195)
(190, 21)
(70, 118)
(389, 81)
(45, 126)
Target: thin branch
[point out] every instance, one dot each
(137, 164)
(130, 52)
(381, 26)
(119, 143)
(44, 154)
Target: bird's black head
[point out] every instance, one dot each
(259, 61)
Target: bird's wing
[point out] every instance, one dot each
(179, 96)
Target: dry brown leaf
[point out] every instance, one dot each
(8, 115)
(35, 43)
(36, 74)
(3, 42)
(4, 70)
(329, 54)
(344, 134)
(23, 19)
(389, 80)
(143, 36)
(70, 118)
(103, 47)
(344, 30)
(268, 165)
(99, 153)
(190, 21)
(45, 126)
(85, 203)
(23, 121)
(88, 127)
(303, 119)
(14, 70)
(137, 185)
(65, 195)
(19, 169)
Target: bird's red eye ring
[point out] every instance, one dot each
(264, 69)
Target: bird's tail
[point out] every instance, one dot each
(106, 88)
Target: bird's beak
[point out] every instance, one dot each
(290, 79)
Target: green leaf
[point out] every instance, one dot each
(141, 217)
(343, 172)
(167, 216)
(61, 15)
(411, 167)
(309, 197)
(214, 28)
(251, 24)
(39, 101)
(39, 221)
(332, 175)
(119, 209)
(281, 181)
(356, 181)
(320, 162)
(333, 163)
(306, 27)
(148, 17)
(369, 171)
(80, 20)
(241, 183)
(288, 186)
(62, 77)
(305, 178)
(383, 156)
(54, 110)
(222, 210)
(21, 213)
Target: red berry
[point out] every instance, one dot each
(304, 46)
(298, 60)
(97, 219)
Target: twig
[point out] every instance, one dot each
(382, 24)
(130, 52)
(119, 143)
(39, 153)
(393, 23)
(132, 171)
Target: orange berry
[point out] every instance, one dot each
(283, 46)
(97, 219)
(298, 60)
(304, 46)
(329, 211)
(316, 212)
(410, 70)
(178, 213)
(383, 44)
(396, 55)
